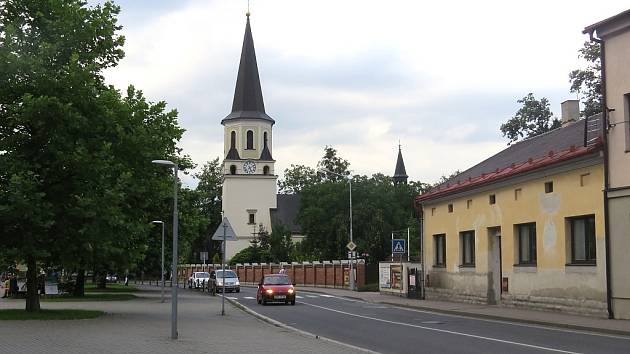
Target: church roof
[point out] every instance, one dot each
(400, 166)
(286, 212)
(248, 99)
(265, 155)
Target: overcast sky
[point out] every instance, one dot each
(440, 76)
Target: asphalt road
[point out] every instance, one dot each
(388, 329)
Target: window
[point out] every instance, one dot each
(468, 203)
(517, 193)
(265, 139)
(250, 140)
(440, 250)
(584, 179)
(450, 208)
(232, 169)
(432, 211)
(526, 241)
(583, 240)
(467, 240)
(266, 170)
(233, 140)
(548, 187)
(252, 218)
(493, 199)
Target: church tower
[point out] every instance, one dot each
(400, 174)
(249, 184)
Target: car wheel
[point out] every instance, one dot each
(292, 302)
(238, 290)
(264, 301)
(258, 300)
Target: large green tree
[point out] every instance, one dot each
(533, 118)
(587, 82)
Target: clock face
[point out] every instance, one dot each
(249, 167)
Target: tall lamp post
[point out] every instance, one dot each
(162, 276)
(352, 283)
(174, 265)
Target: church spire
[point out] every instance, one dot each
(400, 175)
(248, 98)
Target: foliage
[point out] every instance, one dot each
(76, 185)
(19, 315)
(333, 163)
(533, 118)
(90, 297)
(587, 82)
(296, 178)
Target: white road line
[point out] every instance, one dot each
(231, 298)
(324, 295)
(311, 296)
(445, 331)
(299, 297)
(249, 297)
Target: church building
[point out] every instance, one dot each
(249, 185)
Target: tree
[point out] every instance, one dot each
(296, 178)
(533, 118)
(333, 163)
(587, 82)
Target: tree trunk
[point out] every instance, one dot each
(102, 281)
(32, 297)
(79, 285)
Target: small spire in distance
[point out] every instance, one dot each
(247, 13)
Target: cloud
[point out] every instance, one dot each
(358, 75)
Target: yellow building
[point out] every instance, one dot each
(524, 227)
(613, 34)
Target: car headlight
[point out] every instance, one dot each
(237, 283)
(269, 291)
(290, 291)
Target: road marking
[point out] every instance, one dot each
(445, 331)
(231, 298)
(299, 297)
(311, 296)
(249, 297)
(324, 295)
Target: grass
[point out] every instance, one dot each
(89, 297)
(18, 315)
(111, 288)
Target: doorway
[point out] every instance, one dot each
(494, 265)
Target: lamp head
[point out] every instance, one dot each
(157, 222)
(163, 162)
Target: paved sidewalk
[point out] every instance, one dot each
(494, 312)
(143, 326)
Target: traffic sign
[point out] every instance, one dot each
(224, 231)
(351, 246)
(399, 246)
(203, 256)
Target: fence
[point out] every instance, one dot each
(329, 274)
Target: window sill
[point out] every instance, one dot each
(526, 265)
(589, 264)
(526, 268)
(439, 266)
(467, 266)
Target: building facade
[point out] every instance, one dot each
(525, 227)
(249, 180)
(614, 36)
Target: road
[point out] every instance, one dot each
(388, 329)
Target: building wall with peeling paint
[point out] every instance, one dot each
(552, 283)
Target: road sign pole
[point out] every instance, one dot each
(223, 272)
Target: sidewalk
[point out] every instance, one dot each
(492, 312)
(143, 326)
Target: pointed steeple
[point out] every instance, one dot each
(248, 98)
(400, 175)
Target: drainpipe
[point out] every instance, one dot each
(606, 175)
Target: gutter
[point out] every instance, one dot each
(606, 174)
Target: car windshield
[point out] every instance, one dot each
(277, 280)
(203, 275)
(228, 274)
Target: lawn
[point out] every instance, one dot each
(111, 288)
(15, 314)
(89, 297)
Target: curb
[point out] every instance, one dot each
(299, 331)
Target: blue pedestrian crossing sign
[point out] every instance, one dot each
(399, 246)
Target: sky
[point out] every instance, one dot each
(438, 76)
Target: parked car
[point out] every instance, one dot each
(111, 278)
(231, 281)
(198, 279)
(275, 288)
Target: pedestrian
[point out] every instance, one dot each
(13, 286)
(6, 284)
(126, 280)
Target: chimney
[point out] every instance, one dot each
(570, 111)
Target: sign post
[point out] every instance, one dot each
(224, 233)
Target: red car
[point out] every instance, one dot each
(275, 288)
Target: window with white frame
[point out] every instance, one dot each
(467, 241)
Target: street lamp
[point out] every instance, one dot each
(352, 287)
(162, 277)
(174, 265)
